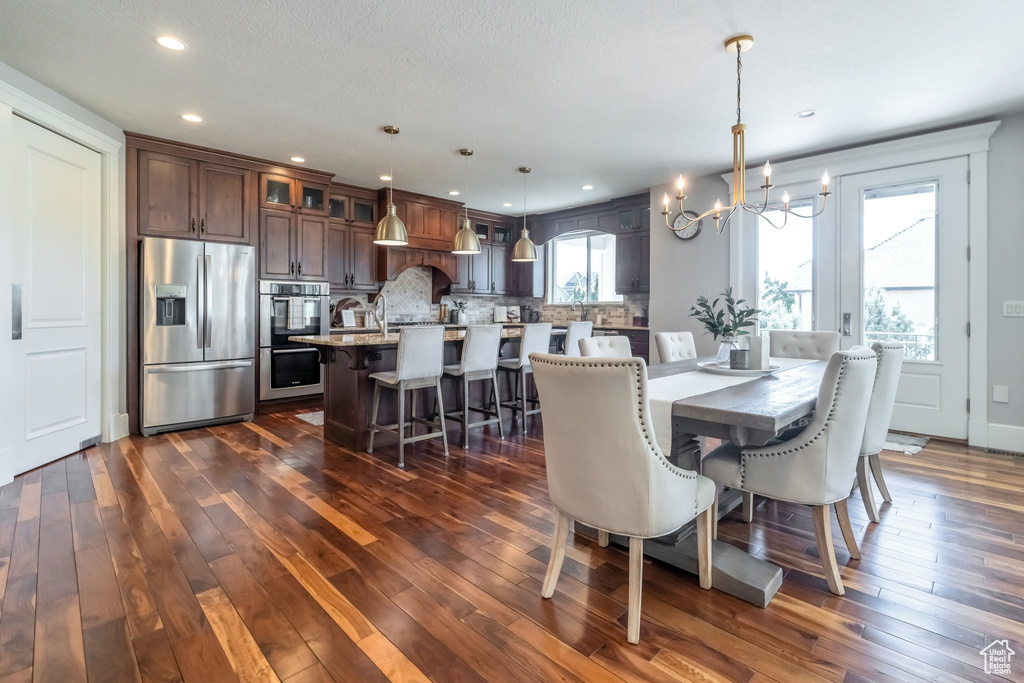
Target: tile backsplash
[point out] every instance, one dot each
(409, 300)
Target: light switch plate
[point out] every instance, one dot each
(1013, 309)
(1000, 393)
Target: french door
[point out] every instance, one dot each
(903, 275)
(53, 355)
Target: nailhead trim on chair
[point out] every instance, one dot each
(824, 428)
(651, 443)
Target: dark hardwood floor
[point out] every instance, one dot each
(260, 552)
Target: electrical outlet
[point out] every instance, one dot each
(1013, 309)
(1000, 393)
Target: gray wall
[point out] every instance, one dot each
(1005, 270)
(681, 270)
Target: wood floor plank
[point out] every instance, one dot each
(238, 644)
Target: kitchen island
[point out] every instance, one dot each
(350, 359)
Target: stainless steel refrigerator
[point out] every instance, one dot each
(197, 319)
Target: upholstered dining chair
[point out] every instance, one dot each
(536, 339)
(816, 467)
(876, 427)
(576, 330)
(606, 347)
(802, 344)
(419, 366)
(673, 346)
(605, 469)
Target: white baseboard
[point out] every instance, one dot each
(1006, 438)
(977, 433)
(116, 427)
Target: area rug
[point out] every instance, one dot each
(316, 418)
(905, 443)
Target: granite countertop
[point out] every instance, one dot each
(377, 339)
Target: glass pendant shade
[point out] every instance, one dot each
(391, 230)
(466, 240)
(525, 249)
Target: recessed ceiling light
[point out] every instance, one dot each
(507, 204)
(192, 117)
(454, 193)
(587, 187)
(385, 178)
(299, 160)
(171, 43)
(805, 114)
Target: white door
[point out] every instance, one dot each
(903, 275)
(54, 256)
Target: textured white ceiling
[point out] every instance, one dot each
(620, 95)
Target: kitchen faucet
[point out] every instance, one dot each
(379, 308)
(583, 308)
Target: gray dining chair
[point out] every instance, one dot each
(419, 366)
(673, 346)
(816, 467)
(576, 330)
(606, 347)
(802, 344)
(479, 361)
(876, 427)
(605, 470)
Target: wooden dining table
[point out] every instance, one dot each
(749, 413)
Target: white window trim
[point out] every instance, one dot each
(967, 141)
(550, 274)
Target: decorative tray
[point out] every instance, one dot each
(724, 369)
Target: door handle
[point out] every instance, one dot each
(15, 311)
(193, 367)
(209, 302)
(193, 226)
(300, 268)
(846, 324)
(293, 268)
(202, 226)
(200, 301)
(492, 286)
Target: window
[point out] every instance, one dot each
(785, 269)
(583, 267)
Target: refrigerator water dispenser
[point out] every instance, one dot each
(170, 305)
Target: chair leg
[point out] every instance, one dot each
(876, 469)
(522, 383)
(401, 424)
(603, 538)
(843, 515)
(562, 523)
(714, 515)
(705, 523)
(748, 507)
(866, 494)
(636, 580)
(497, 406)
(440, 411)
(373, 415)
(465, 413)
(823, 535)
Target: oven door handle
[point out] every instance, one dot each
(273, 351)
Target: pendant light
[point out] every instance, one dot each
(525, 250)
(391, 230)
(466, 239)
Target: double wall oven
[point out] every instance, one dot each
(289, 369)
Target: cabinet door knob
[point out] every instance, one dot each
(293, 268)
(202, 226)
(492, 286)
(193, 226)
(300, 267)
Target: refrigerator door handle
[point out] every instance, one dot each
(194, 367)
(200, 299)
(207, 290)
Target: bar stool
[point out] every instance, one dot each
(536, 339)
(573, 333)
(479, 362)
(419, 366)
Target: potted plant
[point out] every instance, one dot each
(460, 312)
(727, 323)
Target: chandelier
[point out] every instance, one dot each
(722, 214)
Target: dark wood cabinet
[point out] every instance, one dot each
(430, 222)
(285, 192)
(352, 262)
(527, 278)
(352, 205)
(633, 262)
(486, 273)
(501, 269)
(292, 246)
(188, 199)
(168, 195)
(311, 248)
